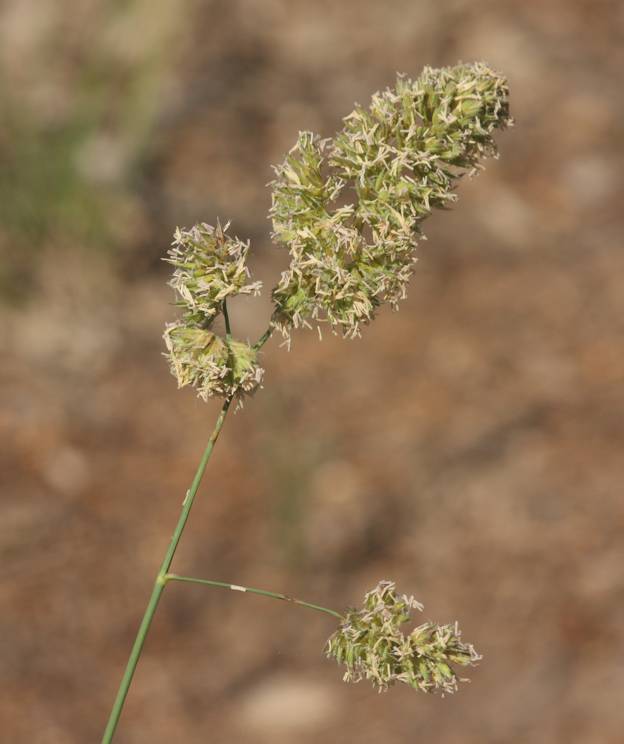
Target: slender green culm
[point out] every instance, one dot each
(251, 590)
(160, 582)
(349, 210)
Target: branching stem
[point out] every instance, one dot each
(251, 590)
(161, 581)
(164, 576)
(263, 339)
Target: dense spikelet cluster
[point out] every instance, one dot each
(349, 210)
(210, 266)
(212, 365)
(371, 645)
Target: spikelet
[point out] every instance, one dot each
(349, 210)
(210, 266)
(370, 643)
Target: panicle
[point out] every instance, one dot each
(349, 210)
(212, 365)
(370, 643)
(210, 266)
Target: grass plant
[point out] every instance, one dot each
(349, 211)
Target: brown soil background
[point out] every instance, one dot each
(469, 447)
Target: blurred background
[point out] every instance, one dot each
(468, 447)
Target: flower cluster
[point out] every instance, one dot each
(349, 210)
(212, 365)
(371, 645)
(209, 267)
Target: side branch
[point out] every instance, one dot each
(251, 590)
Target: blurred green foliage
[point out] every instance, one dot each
(43, 195)
(76, 114)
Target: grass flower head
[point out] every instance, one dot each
(210, 266)
(372, 646)
(349, 210)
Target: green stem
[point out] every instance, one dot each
(160, 582)
(226, 318)
(250, 590)
(263, 339)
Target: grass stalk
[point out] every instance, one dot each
(161, 582)
(251, 590)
